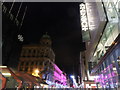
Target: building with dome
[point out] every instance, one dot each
(37, 59)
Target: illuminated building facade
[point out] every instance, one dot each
(59, 78)
(13, 15)
(37, 59)
(103, 46)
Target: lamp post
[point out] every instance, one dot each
(74, 80)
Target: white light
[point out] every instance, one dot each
(20, 37)
(84, 21)
(3, 66)
(72, 76)
(6, 74)
(36, 71)
(118, 60)
(36, 86)
(114, 69)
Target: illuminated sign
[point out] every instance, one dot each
(84, 23)
(83, 15)
(20, 37)
(6, 74)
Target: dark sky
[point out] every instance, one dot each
(62, 22)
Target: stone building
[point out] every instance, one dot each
(37, 59)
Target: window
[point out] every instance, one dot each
(29, 52)
(32, 63)
(36, 63)
(26, 69)
(33, 53)
(31, 69)
(27, 63)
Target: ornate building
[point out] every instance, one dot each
(37, 59)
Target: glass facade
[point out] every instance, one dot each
(111, 30)
(108, 70)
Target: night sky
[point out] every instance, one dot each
(62, 22)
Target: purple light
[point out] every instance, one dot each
(58, 75)
(103, 78)
(56, 68)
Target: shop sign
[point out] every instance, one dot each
(84, 23)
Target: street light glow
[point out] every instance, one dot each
(72, 76)
(37, 71)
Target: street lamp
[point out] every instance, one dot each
(74, 80)
(36, 72)
(73, 77)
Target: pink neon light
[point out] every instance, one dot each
(56, 68)
(58, 75)
(103, 78)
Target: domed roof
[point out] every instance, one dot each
(46, 36)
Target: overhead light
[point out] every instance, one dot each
(6, 74)
(72, 76)
(3, 66)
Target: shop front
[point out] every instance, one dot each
(108, 69)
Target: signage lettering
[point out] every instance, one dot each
(84, 21)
